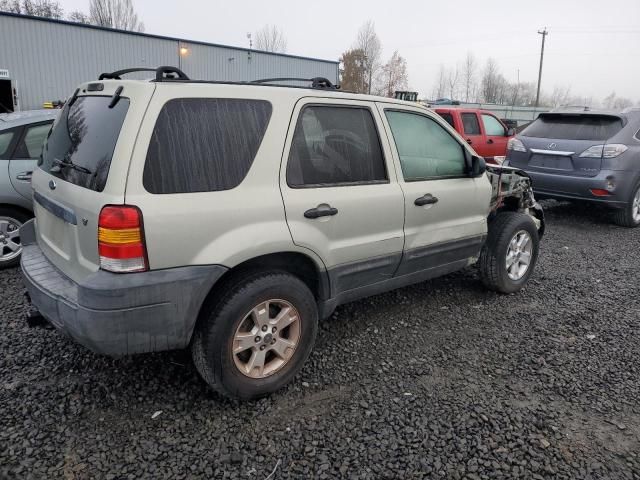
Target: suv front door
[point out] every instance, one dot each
(25, 156)
(496, 134)
(445, 209)
(340, 192)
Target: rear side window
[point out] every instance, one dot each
(574, 127)
(470, 124)
(204, 144)
(81, 144)
(32, 141)
(335, 146)
(447, 117)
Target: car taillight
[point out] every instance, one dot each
(611, 150)
(516, 145)
(121, 239)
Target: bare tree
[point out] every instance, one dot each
(469, 76)
(37, 8)
(440, 87)
(490, 81)
(368, 42)
(79, 17)
(115, 14)
(393, 76)
(271, 39)
(452, 81)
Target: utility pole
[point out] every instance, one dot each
(544, 34)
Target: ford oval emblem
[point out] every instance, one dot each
(552, 145)
(52, 185)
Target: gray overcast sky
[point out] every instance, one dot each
(592, 45)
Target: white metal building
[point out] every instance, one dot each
(45, 59)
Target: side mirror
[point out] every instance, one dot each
(511, 132)
(478, 166)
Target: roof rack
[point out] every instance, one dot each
(162, 73)
(316, 82)
(173, 74)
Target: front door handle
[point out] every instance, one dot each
(426, 199)
(469, 141)
(322, 210)
(24, 176)
(490, 140)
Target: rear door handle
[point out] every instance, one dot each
(24, 176)
(322, 210)
(490, 140)
(426, 199)
(469, 141)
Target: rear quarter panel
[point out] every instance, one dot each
(222, 227)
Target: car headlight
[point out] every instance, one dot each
(516, 145)
(604, 151)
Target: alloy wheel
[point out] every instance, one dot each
(635, 207)
(266, 338)
(519, 255)
(10, 245)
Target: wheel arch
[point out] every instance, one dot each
(308, 268)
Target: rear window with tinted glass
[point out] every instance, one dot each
(81, 144)
(204, 144)
(574, 127)
(447, 117)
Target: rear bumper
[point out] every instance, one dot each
(547, 185)
(118, 314)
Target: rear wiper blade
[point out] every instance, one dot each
(67, 163)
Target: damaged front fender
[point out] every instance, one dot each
(512, 191)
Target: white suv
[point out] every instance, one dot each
(230, 217)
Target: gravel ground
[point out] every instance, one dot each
(438, 380)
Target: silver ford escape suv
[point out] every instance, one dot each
(591, 156)
(229, 218)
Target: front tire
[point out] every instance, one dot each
(629, 216)
(255, 338)
(509, 256)
(11, 220)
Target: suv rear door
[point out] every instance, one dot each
(341, 196)
(97, 133)
(555, 141)
(445, 209)
(472, 131)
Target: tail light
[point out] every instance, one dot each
(611, 150)
(121, 239)
(516, 145)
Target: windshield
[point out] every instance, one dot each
(81, 143)
(574, 127)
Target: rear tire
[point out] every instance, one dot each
(502, 261)
(11, 219)
(629, 216)
(240, 332)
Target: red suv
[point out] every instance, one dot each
(481, 129)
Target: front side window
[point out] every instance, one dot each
(335, 145)
(32, 141)
(83, 139)
(426, 149)
(5, 141)
(204, 144)
(470, 124)
(492, 126)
